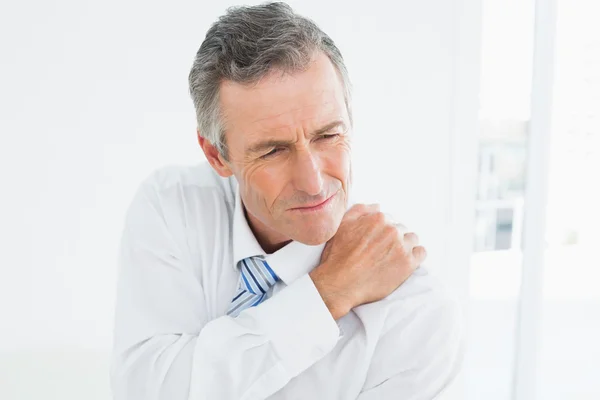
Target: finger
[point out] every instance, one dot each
(358, 210)
(420, 254)
(402, 229)
(411, 240)
(390, 219)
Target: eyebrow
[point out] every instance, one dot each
(270, 143)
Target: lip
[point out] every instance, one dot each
(315, 207)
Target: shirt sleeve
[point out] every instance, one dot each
(165, 346)
(420, 355)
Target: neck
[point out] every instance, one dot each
(267, 238)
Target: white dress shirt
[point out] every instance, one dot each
(184, 233)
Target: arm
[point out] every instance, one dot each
(166, 348)
(419, 359)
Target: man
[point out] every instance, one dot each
(253, 276)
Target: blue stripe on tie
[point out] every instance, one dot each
(260, 274)
(248, 287)
(253, 278)
(255, 287)
(270, 270)
(237, 297)
(253, 281)
(259, 300)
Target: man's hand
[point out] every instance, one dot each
(366, 260)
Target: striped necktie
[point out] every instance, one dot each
(256, 279)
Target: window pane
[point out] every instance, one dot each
(569, 360)
(496, 264)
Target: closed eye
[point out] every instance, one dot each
(271, 153)
(325, 137)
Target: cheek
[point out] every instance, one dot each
(337, 162)
(265, 183)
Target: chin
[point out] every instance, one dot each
(313, 230)
(313, 241)
(315, 236)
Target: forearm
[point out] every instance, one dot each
(247, 357)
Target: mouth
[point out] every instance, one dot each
(316, 206)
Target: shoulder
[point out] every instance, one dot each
(195, 178)
(178, 184)
(422, 335)
(422, 303)
(427, 301)
(181, 198)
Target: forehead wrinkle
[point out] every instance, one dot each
(289, 125)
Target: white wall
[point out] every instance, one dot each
(93, 97)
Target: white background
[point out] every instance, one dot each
(93, 97)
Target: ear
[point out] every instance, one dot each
(214, 157)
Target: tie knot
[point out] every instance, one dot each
(257, 275)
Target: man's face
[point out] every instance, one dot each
(289, 148)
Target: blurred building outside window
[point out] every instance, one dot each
(568, 362)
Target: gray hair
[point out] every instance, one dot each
(244, 45)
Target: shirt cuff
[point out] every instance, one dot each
(299, 324)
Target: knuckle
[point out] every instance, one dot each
(359, 207)
(379, 218)
(400, 252)
(390, 231)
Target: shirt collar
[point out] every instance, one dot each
(289, 263)
(244, 243)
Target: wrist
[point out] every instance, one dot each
(337, 304)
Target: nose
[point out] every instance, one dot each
(307, 173)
